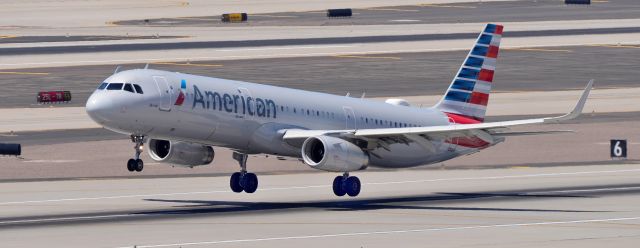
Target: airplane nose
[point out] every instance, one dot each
(99, 107)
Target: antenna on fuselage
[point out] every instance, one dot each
(363, 94)
(348, 94)
(146, 66)
(117, 69)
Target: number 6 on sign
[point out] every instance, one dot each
(618, 148)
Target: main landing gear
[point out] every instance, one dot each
(346, 185)
(136, 164)
(243, 180)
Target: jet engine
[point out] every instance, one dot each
(180, 153)
(333, 154)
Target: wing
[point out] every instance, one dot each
(485, 131)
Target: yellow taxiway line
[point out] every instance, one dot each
(23, 73)
(538, 50)
(187, 64)
(399, 10)
(615, 46)
(276, 16)
(446, 6)
(366, 57)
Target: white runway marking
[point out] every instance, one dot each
(65, 219)
(387, 232)
(50, 161)
(327, 186)
(404, 20)
(585, 190)
(190, 58)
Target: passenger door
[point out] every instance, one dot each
(165, 93)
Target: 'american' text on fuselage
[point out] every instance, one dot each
(231, 103)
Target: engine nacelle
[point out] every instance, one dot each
(180, 153)
(333, 154)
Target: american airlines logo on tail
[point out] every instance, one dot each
(467, 97)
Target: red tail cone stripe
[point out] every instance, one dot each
(486, 75)
(479, 98)
(463, 119)
(493, 52)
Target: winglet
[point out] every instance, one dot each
(577, 110)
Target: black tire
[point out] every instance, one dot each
(139, 165)
(131, 165)
(235, 182)
(250, 183)
(352, 186)
(338, 188)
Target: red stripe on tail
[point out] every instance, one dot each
(493, 52)
(499, 29)
(486, 75)
(479, 98)
(463, 119)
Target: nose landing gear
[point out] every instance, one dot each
(243, 180)
(136, 164)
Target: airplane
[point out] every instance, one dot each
(181, 117)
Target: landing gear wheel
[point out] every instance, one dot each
(250, 182)
(338, 190)
(136, 164)
(352, 186)
(139, 165)
(235, 182)
(131, 165)
(243, 180)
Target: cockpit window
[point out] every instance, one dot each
(102, 86)
(129, 88)
(138, 89)
(114, 86)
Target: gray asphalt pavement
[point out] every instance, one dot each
(98, 153)
(68, 38)
(475, 11)
(379, 75)
(580, 206)
(291, 42)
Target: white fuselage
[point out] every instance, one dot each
(249, 117)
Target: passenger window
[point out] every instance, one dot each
(116, 86)
(102, 86)
(129, 88)
(138, 89)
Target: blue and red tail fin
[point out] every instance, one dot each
(467, 97)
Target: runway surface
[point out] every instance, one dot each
(68, 38)
(70, 188)
(473, 11)
(580, 206)
(97, 153)
(379, 75)
(294, 42)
